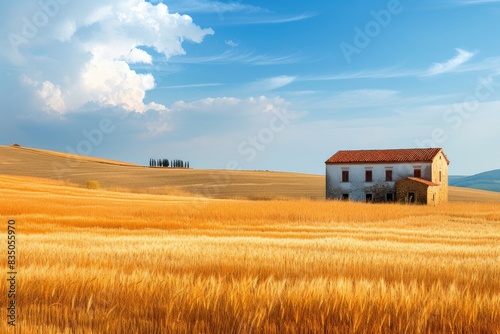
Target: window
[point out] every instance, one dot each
(388, 174)
(389, 197)
(368, 175)
(417, 172)
(440, 175)
(345, 197)
(369, 197)
(345, 176)
(411, 197)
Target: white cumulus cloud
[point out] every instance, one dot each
(88, 48)
(136, 56)
(52, 96)
(111, 82)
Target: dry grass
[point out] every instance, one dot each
(457, 194)
(95, 261)
(29, 153)
(92, 184)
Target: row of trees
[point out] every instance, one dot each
(176, 163)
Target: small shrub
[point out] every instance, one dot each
(93, 184)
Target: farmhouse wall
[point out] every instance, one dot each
(433, 195)
(440, 164)
(406, 186)
(357, 187)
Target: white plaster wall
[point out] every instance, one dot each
(356, 188)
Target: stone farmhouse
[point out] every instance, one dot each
(417, 175)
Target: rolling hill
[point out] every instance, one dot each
(485, 181)
(129, 177)
(122, 176)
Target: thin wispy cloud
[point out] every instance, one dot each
(462, 57)
(230, 13)
(209, 84)
(274, 60)
(383, 73)
(359, 98)
(233, 56)
(204, 6)
(490, 64)
(270, 19)
(474, 2)
(274, 82)
(454, 64)
(458, 64)
(231, 43)
(380, 101)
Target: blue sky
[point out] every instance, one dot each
(266, 85)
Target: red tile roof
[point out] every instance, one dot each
(385, 156)
(426, 182)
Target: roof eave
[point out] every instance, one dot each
(377, 162)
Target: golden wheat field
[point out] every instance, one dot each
(99, 261)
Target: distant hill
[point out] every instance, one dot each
(456, 178)
(485, 181)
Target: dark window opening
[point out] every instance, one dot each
(345, 176)
(368, 176)
(417, 172)
(345, 197)
(411, 197)
(440, 176)
(388, 175)
(369, 197)
(390, 197)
